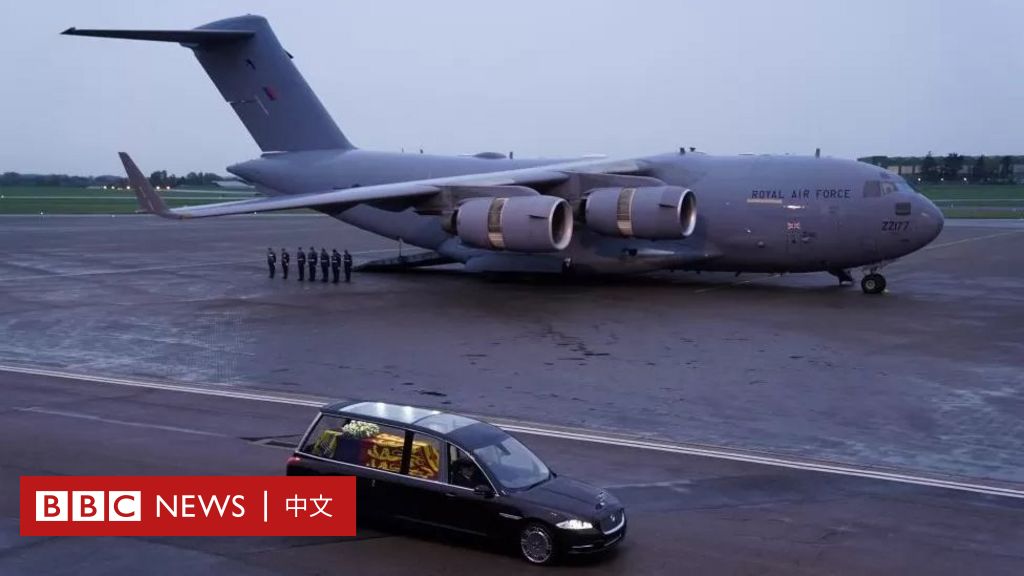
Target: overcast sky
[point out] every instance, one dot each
(541, 77)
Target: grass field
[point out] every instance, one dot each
(955, 200)
(994, 213)
(977, 200)
(63, 200)
(972, 191)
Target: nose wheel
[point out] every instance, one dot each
(873, 283)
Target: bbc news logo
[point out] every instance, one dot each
(88, 506)
(187, 506)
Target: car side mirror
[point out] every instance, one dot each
(484, 491)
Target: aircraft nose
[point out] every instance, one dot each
(931, 220)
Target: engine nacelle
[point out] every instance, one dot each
(650, 212)
(519, 224)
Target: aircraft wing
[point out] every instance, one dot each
(150, 201)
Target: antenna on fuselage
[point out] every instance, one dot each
(817, 152)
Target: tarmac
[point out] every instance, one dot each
(923, 382)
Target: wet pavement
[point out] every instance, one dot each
(687, 514)
(926, 377)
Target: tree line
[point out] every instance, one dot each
(162, 178)
(158, 178)
(978, 169)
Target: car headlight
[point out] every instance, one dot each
(574, 524)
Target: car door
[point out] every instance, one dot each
(465, 509)
(421, 496)
(380, 451)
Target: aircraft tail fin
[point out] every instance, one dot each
(149, 200)
(256, 76)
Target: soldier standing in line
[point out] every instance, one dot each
(348, 267)
(325, 263)
(271, 261)
(300, 261)
(286, 259)
(335, 263)
(311, 260)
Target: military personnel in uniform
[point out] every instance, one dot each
(311, 260)
(325, 263)
(348, 267)
(300, 261)
(335, 264)
(271, 261)
(286, 259)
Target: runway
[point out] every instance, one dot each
(711, 516)
(526, 428)
(923, 382)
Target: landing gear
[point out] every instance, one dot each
(843, 276)
(873, 283)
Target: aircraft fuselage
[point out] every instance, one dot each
(755, 213)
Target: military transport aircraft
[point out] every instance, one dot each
(498, 214)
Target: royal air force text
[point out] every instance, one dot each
(805, 194)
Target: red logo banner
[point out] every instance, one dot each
(188, 506)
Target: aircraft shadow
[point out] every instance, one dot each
(708, 281)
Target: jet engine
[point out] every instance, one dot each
(519, 224)
(649, 212)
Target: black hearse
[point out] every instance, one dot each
(457, 473)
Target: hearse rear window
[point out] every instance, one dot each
(425, 460)
(357, 442)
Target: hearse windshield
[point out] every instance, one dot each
(510, 463)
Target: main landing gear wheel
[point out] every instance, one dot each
(536, 544)
(873, 284)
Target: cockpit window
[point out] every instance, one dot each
(879, 188)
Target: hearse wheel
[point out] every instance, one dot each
(536, 544)
(873, 284)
